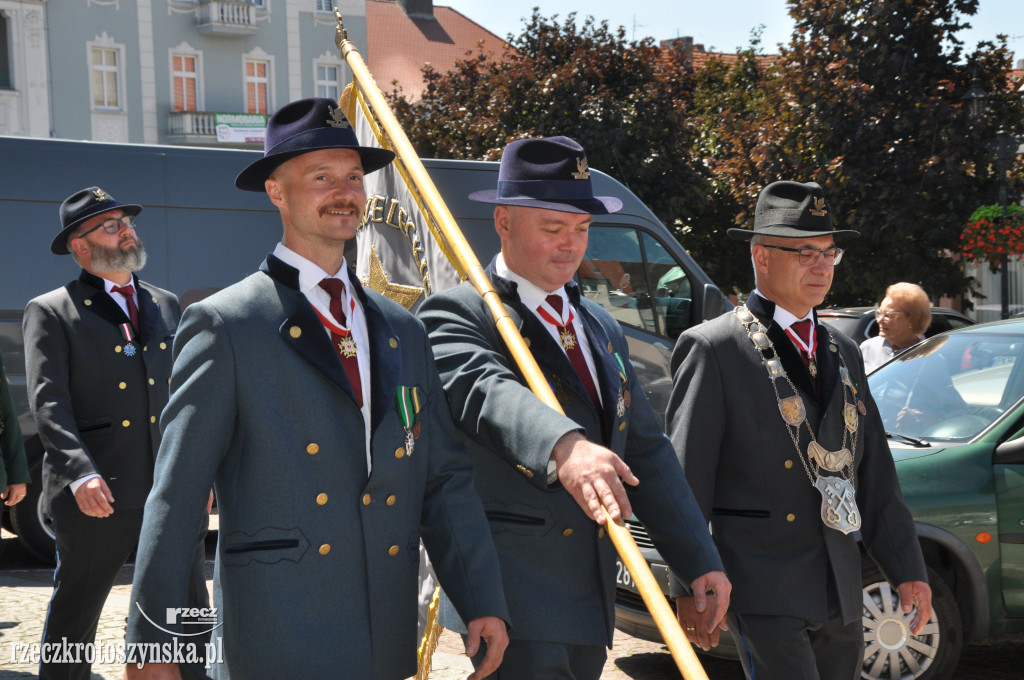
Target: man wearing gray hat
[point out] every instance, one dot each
(772, 419)
(314, 408)
(543, 476)
(98, 359)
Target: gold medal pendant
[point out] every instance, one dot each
(347, 346)
(793, 410)
(812, 367)
(850, 415)
(838, 504)
(833, 461)
(567, 339)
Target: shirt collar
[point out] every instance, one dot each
(784, 318)
(109, 285)
(310, 274)
(530, 294)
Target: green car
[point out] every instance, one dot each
(953, 407)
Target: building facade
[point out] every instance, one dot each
(196, 72)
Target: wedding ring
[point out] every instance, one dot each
(690, 630)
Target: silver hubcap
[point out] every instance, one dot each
(41, 514)
(890, 652)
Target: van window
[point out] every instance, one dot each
(633, 276)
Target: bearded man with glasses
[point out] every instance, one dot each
(98, 360)
(775, 427)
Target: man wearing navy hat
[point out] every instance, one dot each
(314, 408)
(543, 475)
(774, 424)
(98, 359)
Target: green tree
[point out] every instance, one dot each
(625, 102)
(867, 101)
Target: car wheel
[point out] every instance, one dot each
(890, 652)
(31, 523)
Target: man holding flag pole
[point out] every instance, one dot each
(543, 475)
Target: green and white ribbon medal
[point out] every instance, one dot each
(407, 399)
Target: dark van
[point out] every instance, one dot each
(202, 234)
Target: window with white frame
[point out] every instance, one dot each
(257, 85)
(184, 82)
(324, 5)
(327, 80)
(105, 68)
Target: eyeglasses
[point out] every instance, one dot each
(112, 226)
(808, 257)
(888, 316)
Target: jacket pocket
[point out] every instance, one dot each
(513, 518)
(748, 514)
(254, 546)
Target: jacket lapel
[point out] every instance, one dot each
(150, 318)
(828, 366)
(100, 302)
(301, 329)
(385, 356)
(609, 382)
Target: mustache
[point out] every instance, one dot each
(347, 205)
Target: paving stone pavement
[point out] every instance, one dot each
(25, 588)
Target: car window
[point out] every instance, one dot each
(633, 276)
(958, 322)
(844, 324)
(950, 387)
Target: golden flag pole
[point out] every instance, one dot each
(661, 612)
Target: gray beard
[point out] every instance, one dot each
(116, 260)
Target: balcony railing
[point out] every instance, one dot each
(192, 124)
(224, 17)
(199, 128)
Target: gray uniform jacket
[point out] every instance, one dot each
(558, 565)
(96, 398)
(765, 515)
(317, 563)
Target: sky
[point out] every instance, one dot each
(720, 25)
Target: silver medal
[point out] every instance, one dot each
(838, 504)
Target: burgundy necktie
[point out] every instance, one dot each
(803, 329)
(129, 294)
(571, 344)
(342, 340)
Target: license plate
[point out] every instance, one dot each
(623, 579)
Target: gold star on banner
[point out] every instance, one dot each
(403, 295)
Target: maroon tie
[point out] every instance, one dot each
(803, 329)
(129, 294)
(346, 350)
(571, 344)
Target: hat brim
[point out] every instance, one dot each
(59, 246)
(254, 176)
(598, 205)
(781, 231)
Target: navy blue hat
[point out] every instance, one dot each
(303, 126)
(80, 206)
(792, 210)
(547, 173)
